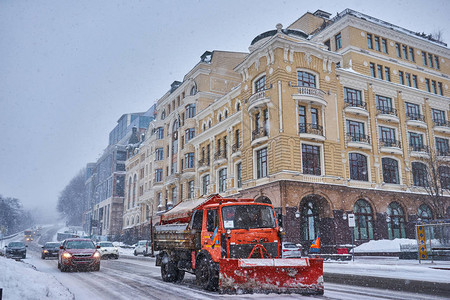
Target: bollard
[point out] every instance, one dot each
(1, 292)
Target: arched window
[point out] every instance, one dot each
(128, 222)
(390, 170)
(310, 220)
(226, 114)
(193, 90)
(137, 220)
(420, 174)
(220, 117)
(395, 221)
(238, 106)
(209, 124)
(306, 79)
(260, 84)
(130, 182)
(424, 213)
(175, 126)
(263, 199)
(363, 220)
(358, 167)
(163, 115)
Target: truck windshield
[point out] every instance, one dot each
(248, 216)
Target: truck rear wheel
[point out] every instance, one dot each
(170, 272)
(207, 276)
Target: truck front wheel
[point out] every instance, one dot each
(206, 274)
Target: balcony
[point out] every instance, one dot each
(220, 157)
(259, 136)
(415, 119)
(236, 150)
(203, 164)
(417, 150)
(390, 146)
(387, 113)
(443, 154)
(188, 173)
(358, 108)
(258, 100)
(358, 140)
(311, 131)
(441, 126)
(310, 95)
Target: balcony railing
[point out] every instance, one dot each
(220, 155)
(390, 143)
(419, 148)
(443, 152)
(203, 162)
(310, 128)
(256, 97)
(353, 103)
(386, 110)
(304, 90)
(358, 137)
(235, 148)
(442, 123)
(259, 133)
(415, 117)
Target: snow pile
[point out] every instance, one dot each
(379, 246)
(21, 281)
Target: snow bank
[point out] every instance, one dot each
(21, 281)
(380, 246)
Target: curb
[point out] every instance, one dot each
(397, 284)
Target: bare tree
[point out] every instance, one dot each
(71, 200)
(438, 35)
(436, 181)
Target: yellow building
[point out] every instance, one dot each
(325, 118)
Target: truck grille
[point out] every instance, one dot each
(243, 250)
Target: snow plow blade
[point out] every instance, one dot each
(271, 275)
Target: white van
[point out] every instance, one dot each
(143, 247)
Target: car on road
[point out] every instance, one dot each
(16, 250)
(108, 250)
(290, 250)
(78, 254)
(143, 247)
(50, 249)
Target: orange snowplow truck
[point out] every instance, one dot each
(231, 245)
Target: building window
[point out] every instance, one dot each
(396, 221)
(411, 54)
(239, 175)
(427, 83)
(444, 177)
(430, 60)
(205, 184)
(261, 163)
(189, 159)
(191, 189)
(433, 84)
(416, 141)
(442, 147)
(384, 44)
(314, 118)
(401, 79)
(306, 79)
(377, 43)
(260, 84)
(338, 41)
(353, 97)
(174, 195)
(372, 70)
(310, 220)
(408, 79)
(397, 48)
(363, 220)
(424, 58)
(190, 111)
(384, 104)
(436, 62)
(380, 71)
(415, 81)
(438, 117)
(390, 170)
(158, 175)
(405, 52)
(311, 160)
(369, 41)
(441, 92)
(424, 213)
(189, 134)
(222, 180)
(412, 111)
(159, 154)
(358, 167)
(355, 131)
(420, 174)
(160, 133)
(302, 118)
(387, 73)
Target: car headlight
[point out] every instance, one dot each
(67, 255)
(45, 251)
(97, 254)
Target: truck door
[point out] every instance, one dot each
(211, 236)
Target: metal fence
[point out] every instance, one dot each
(433, 241)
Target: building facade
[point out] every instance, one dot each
(325, 118)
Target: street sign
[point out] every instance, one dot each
(351, 220)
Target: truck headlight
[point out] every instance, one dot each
(67, 255)
(97, 255)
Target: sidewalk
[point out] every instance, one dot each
(391, 273)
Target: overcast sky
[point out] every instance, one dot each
(70, 69)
